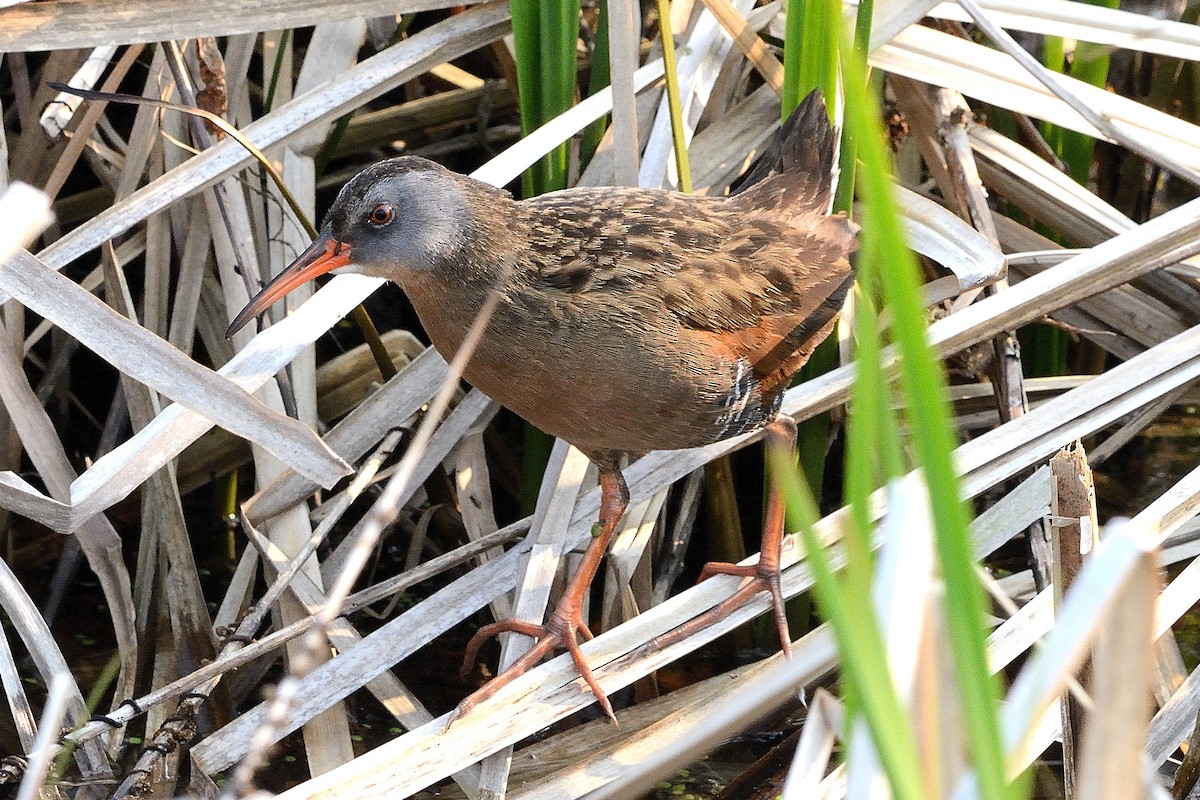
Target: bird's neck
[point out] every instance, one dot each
(449, 298)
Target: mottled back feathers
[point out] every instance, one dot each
(708, 262)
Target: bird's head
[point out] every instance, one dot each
(393, 219)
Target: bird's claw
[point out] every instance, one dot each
(561, 632)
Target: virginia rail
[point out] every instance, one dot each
(630, 319)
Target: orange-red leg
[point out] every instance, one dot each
(763, 576)
(566, 623)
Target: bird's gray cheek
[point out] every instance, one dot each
(424, 247)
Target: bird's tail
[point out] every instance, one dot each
(797, 171)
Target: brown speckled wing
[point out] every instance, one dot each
(612, 240)
(704, 260)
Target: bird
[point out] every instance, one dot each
(629, 320)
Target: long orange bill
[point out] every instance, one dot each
(323, 255)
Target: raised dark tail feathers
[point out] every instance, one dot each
(797, 169)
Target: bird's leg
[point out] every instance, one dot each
(764, 575)
(566, 621)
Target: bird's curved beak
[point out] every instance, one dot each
(323, 255)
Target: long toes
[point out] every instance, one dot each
(760, 580)
(779, 611)
(589, 677)
(530, 629)
(471, 654)
(725, 568)
(561, 631)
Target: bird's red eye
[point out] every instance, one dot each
(381, 215)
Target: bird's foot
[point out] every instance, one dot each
(560, 632)
(762, 577)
